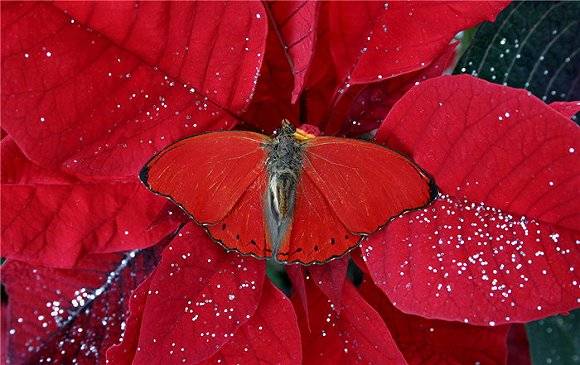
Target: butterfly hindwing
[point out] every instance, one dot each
(243, 229)
(364, 184)
(317, 234)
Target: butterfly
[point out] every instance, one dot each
(292, 197)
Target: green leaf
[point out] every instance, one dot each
(555, 340)
(531, 45)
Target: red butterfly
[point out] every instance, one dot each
(294, 197)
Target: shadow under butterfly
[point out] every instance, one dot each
(293, 197)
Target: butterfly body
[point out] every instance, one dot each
(292, 198)
(283, 166)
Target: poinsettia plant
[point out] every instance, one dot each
(101, 270)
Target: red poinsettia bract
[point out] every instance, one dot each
(91, 90)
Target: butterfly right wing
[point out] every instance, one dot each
(365, 184)
(207, 174)
(316, 235)
(348, 188)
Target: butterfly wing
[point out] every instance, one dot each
(348, 188)
(317, 234)
(219, 179)
(364, 183)
(243, 229)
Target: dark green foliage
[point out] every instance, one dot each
(555, 340)
(531, 45)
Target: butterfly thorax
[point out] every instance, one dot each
(283, 165)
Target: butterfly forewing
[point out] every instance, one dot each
(364, 184)
(207, 174)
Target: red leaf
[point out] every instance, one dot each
(389, 39)
(425, 341)
(55, 225)
(356, 335)
(499, 244)
(330, 278)
(294, 23)
(567, 108)
(518, 347)
(216, 47)
(124, 352)
(357, 258)
(100, 96)
(18, 169)
(296, 276)
(271, 336)
(369, 107)
(271, 102)
(198, 298)
(383, 40)
(71, 315)
(4, 323)
(321, 82)
(55, 219)
(346, 29)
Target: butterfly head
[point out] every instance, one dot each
(302, 133)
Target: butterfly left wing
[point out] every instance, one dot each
(219, 178)
(365, 184)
